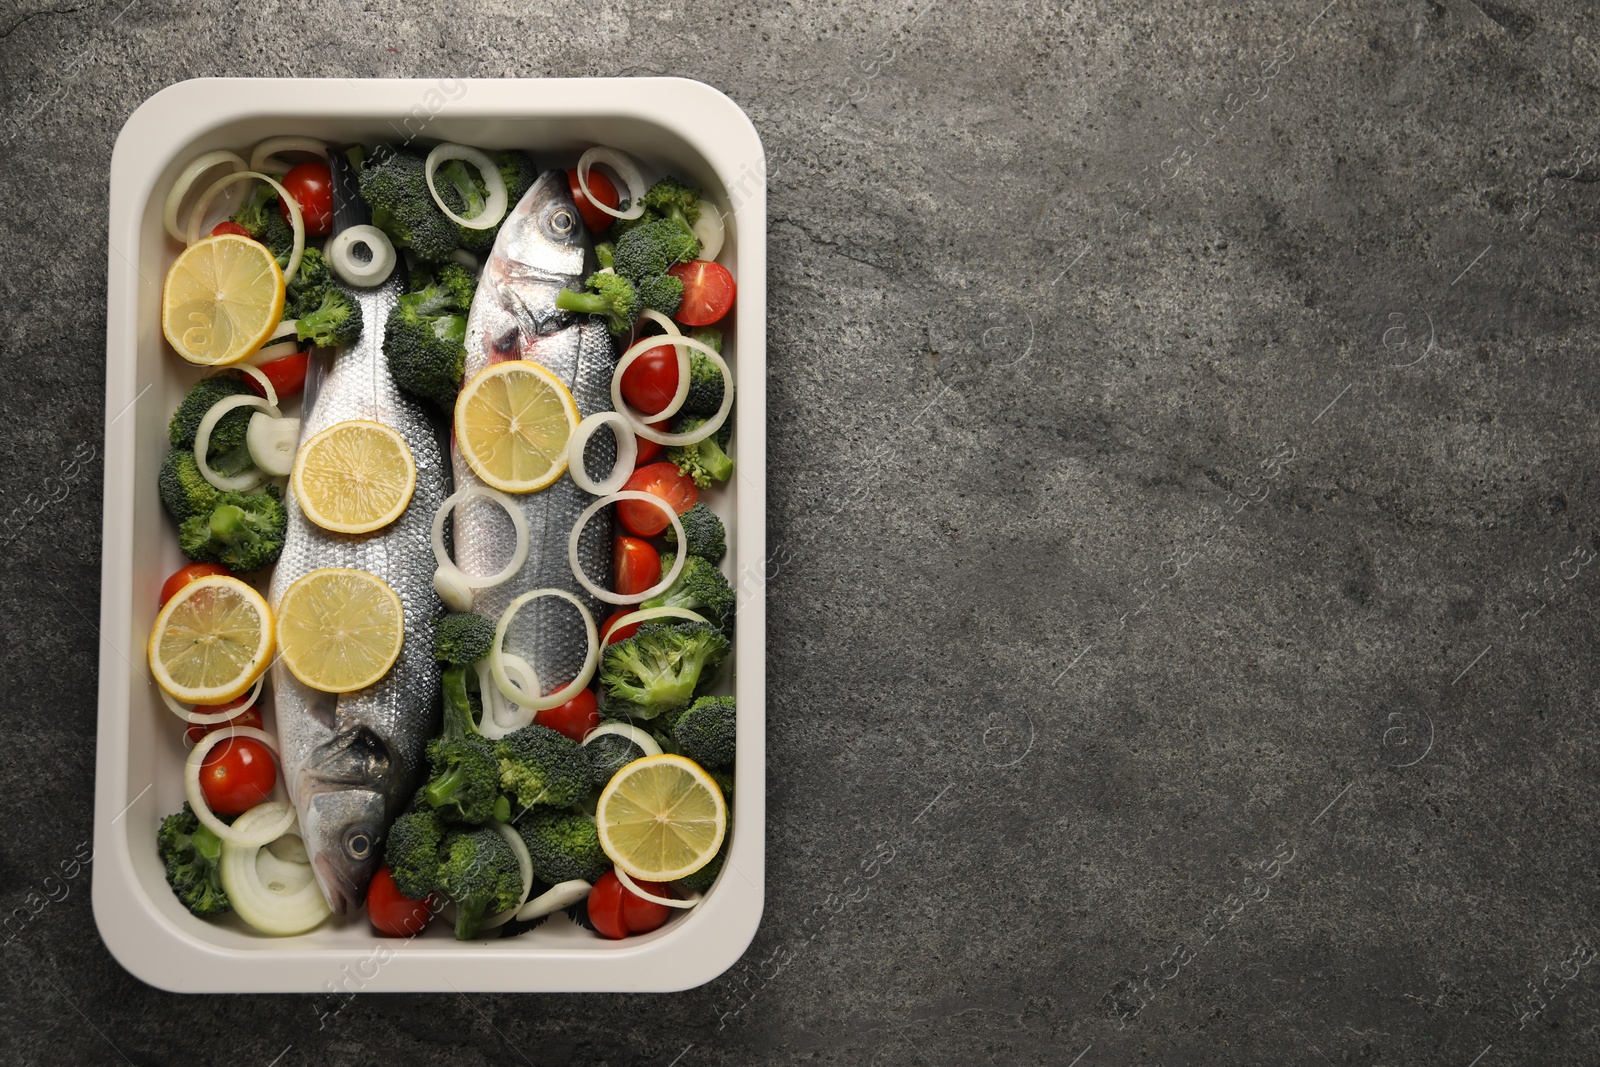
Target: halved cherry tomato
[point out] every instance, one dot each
(663, 480)
(575, 718)
(237, 775)
(616, 912)
(622, 633)
(392, 914)
(287, 375)
(229, 226)
(708, 292)
(249, 717)
(651, 381)
(648, 449)
(186, 574)
(605, 192)
(636, 563)
(311, 185)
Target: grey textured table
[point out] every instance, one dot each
(1182, 477)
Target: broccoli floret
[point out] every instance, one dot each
(262, 219)
(709, 336)
(517, 171)
(563, 845)
(226, 452)
(650, 249)
(608, 754)
(660, 292)
(243, 531)
(705, 386)
(611, 296)
(464, 192)
(622, 226)
(192, 853)
(605, 253)
(707, 537)
(656, 670)
(704, 461)
(412, 852)
(464, 777)
(540, 766)
(700, 881)
(333, 322)
(304, 294)
(395, 186)
(705, 733)
(672, 199)
(184, 490)
(479, 872)
(462, 638)
(425, 338)
(700, 587)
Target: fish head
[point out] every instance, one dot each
(346, 793)
(544, 235)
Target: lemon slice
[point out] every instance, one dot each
(340, 629)
(354, 477)
(661, 818)
(513, 420)
(222, 299)
(211, 641)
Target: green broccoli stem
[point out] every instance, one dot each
(715, 460)
(446, 789)
(229, 525)
(583, 303)
(457, 708)
(468, 918)
(502, 808)
(207, 843)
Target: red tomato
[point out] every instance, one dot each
(660, 479)
(229, 226)
(393, 915)
(651, 381)
(184, 575)
(616, 913)
(649, 450)
(622, 633)
(575, 718)
(605, 192)
(637, 565)
(311, 185)
(287, 375)
(708, 292)
(237, 775)
(248, 717)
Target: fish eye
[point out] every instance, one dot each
(561, 222)
(358, 844)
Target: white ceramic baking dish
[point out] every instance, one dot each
(669, 124)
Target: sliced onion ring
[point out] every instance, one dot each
(493, 725)
(494, 209)
(627, 453)
(455, 576)
(269, 912)
(647, 614)
(671, 902)
(525, 864)
(212, 718)
(270, 831)
(600, 591)
(641, 738)
(341, 256)
(261, 158)
(561, 895)
(712, 425)
(272, 350)
(626, 169)
(202, 441)
(180, 188)
(497, 663)
(709, 228)
(296, 220)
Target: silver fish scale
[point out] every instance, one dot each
(314, 728)
(540, 250)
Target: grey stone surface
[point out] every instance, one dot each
(1180, 414)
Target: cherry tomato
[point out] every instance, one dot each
(621, 633)
(660, 479)
(651, 381)
(229, 226)
(237, 775)
(287, 375)
(605, 192)
(650, 450)
(249, 717)
(575, 718)
(184, 575)
(616, 913)
(392, 914)
(708, 292)
(311, 185)
(637, 565)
